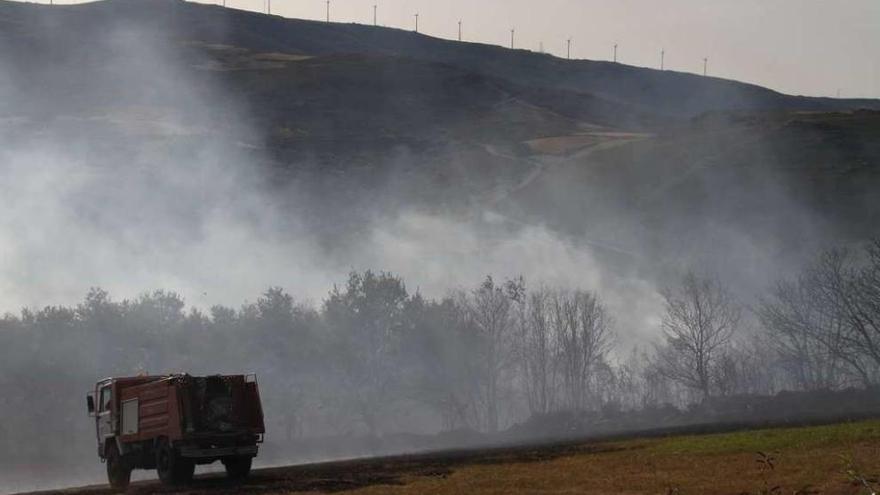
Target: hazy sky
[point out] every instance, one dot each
(813, 47)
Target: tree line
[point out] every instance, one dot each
(374, 358)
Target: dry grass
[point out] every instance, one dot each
(565, 145)
(805, 460)
(835, 459)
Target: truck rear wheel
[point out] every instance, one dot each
(118, 471)
(238, 468)
(173, 469)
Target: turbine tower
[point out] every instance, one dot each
(705, 66)
(375, 14)
(459, 30)
(417, 22)
(568, 51)
(328, 10)
(662, 59)
(512, 33)
(615, 52)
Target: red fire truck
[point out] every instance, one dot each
(171, 423)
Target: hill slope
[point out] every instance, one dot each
(369, 121)
(663, 92)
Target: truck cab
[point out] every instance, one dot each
(172, 423)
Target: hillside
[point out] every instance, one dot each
(667, 93)
(369, 121)
(771, 186)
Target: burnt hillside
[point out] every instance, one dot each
(369, 121)
(662, 92)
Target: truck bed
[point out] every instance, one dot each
(183, 407)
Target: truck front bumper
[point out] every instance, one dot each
(217, 452)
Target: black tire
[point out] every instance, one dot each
(238, 468)
(118, 470)
(173, 469)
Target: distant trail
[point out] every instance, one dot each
(540, 166)
(537, 168)
(542, 163)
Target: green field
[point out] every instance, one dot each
(835, 459)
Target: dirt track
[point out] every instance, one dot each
(340, 476)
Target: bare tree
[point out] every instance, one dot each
(805, 331)
(536, 353)
(490, 311)
(863, 305)
(749, 365)
(850, 292)
(701, 317)
(563, 342)
(583, 335)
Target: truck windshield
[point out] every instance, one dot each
(106, 398)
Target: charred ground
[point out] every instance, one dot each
(832, 459)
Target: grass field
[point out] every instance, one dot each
(813, 460)
(830, 459)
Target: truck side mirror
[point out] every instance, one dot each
(90, 403)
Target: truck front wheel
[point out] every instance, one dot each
(173, 469)
(238, 467)
(118, 471)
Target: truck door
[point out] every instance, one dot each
(105, 415)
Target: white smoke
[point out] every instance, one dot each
(131, 197)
